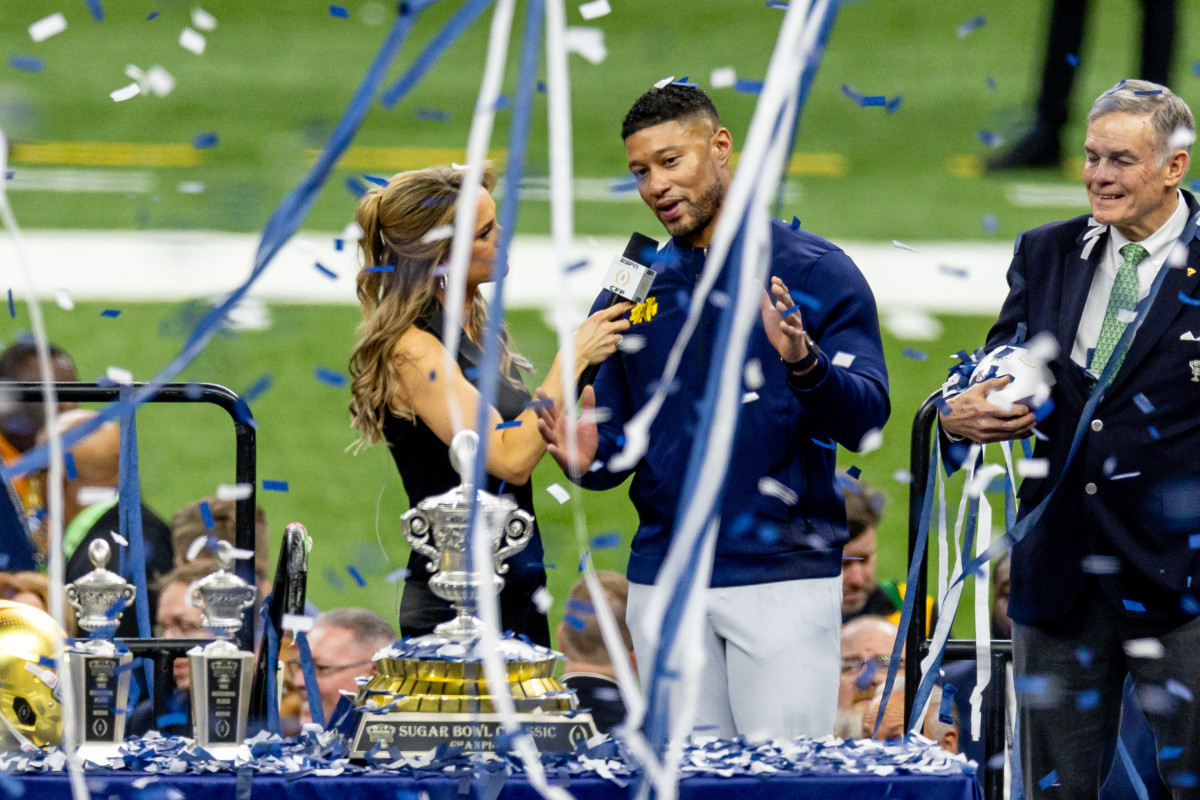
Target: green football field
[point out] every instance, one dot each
(275, 76)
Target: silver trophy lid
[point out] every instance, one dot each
(96, 593)
(451, 508)
(222, 596)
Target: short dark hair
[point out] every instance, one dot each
(864, 505)
(19, 353)
(675, 101)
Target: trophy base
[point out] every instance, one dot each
(414, 733)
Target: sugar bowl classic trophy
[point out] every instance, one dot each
(220, 672)
(431, 690)
(98, 667)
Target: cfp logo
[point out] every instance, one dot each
(99, 727)
(1195, 365)
(381, 734)
(578, 735)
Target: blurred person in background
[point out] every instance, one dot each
(945, 733)
(866, 655)
(342, 642)
(189, 524)
(588, 670)
(401, 387)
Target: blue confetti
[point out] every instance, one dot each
(355, 187)
(777, 4)
(957, 272)
(25, 63)
(257, 389)
(204, 141)
(863, 101)
(1143, 403)
(152, 15)
(339, 244)
(330, 377)
(1167, 753)
(1183, 779)
(1196, 68)
(915, 355)
(541, 402)
(111, 313)
(1133, 605)
(1194, 541)
(1153, 431)
(989, 223)
(378, 180)
(396, 575)
(1048, 781)
(339, 11)
(333, 579)
(623, 185)
(991, 83)
(744, 86)
(512, 423)
(502, 102)
(12, 308)
(1183, 298)
(433, 115)
(354, 573)
(381, 268)
(166, 720)
(574, 621)
(606, 541)
(274, 486)
(326, 271)
(795, 223)
(69, 464)
(541, 87)
(973, 24)
(806, 300)
(791, 311)
(583, 262)
(1073, 59)
(946, 709)
(826, 445)
(1147, 92)
(1087, 699)
(1189, 604)
(991, 139)
(893, 104)
(206, 515)
(854, 472)
(96, 9)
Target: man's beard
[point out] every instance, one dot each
(702, 211)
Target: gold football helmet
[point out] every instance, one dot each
(29, 700)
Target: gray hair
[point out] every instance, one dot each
(1169, 115)
(367, 626)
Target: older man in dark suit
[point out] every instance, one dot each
(1101, 583)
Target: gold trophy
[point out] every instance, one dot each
(431, 690)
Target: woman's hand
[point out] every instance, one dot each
(597, 338)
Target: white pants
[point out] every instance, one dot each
(772, 657)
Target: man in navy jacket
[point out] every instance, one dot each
(1101, 586)
(772, 613)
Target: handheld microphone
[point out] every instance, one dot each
(628, 278)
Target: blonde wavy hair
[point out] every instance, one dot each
(394, 220)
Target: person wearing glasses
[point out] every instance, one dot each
(866, 655)
(342, 642)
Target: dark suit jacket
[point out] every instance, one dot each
(1144, 521)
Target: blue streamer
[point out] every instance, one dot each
(310, 679)
(129, 511)
(454, 27)
(264, 613)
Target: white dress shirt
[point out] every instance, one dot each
(1158, 246)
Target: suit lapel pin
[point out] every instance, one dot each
(1195, 365)
(1191, 271)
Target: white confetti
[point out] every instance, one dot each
(1178, 256)
(142, 783)
(1126, 315)
(631, 343)
(91, 495)
(1181, 139)
(913, 325)
(1100, 565)
(773, 488)
(241, 555)
(664, 82)
(1144, 648)
(234, 491)
(202, 20)
(193, 41)
(841, 359)
(159, 81)
(352, 232)
(438, 234)
(558, 493)
(723, 78)
(1125, 475)
(297, 622)
(62, 298)
(119, 375)
(1033, 467)
(595, 10)
(542, 600)
(190, 187)
(749, 397)
(595, 416)
(901, 245)
(587, 42)
(752, 375)
(125, 93)
(119, 539)
(902, 476)
(196, 546)
(49, 26)
(872, 440)
(396, 575)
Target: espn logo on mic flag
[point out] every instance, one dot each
(629, 280)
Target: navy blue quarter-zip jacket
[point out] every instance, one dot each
(788, 429)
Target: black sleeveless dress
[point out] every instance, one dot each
(424, 464)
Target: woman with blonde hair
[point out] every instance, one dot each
(400, 385)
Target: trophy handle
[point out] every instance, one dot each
(518, 530)
(415, 525)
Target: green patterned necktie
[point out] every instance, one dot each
(1124, 297)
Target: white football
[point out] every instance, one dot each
(1031, 378)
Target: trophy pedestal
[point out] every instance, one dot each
(101, 690)
(413, 733)
(220, 678)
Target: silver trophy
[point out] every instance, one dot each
(437, 529)
(415, 702)
(220, 672)
(97, 667)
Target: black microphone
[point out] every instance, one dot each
(628, 278)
